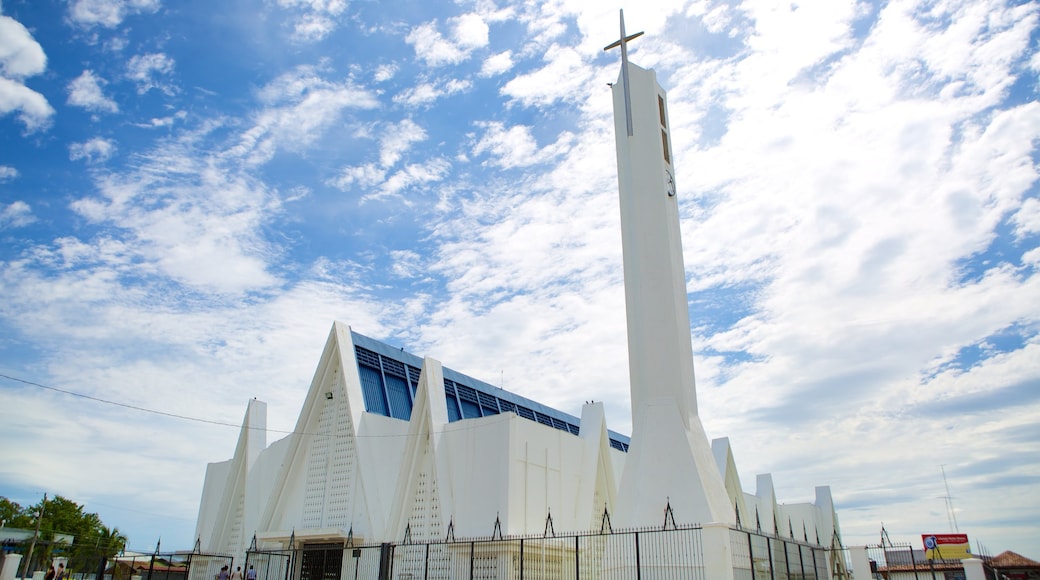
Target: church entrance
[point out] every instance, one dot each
(321, 562)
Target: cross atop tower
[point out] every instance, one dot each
(623, 43)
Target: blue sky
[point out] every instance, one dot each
(191, 192)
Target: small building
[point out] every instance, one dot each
(1013, 566)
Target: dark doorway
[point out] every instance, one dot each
(321, 562)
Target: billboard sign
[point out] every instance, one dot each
(946, 546)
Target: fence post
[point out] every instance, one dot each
(151, 564)
(973, 569)
(769, 554)
(471, 545)
(385, 560)
(717, 551)
(860, 562)
(787, 559)
(639, 571)
(577, 558)
(521, 559)
(751, 554)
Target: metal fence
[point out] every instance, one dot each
(902, 562)
(86, 565)
(651, 554)
(758, 556)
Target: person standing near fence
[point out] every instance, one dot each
(250, 573)
(237, 574)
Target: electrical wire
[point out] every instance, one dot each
(211, 421)
(128, 406)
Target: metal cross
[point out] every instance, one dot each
(623, 43)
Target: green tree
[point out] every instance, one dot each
(92, 540)
(14, 515)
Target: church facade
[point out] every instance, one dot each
(389, 444)
(393, 448)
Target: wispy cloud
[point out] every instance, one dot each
(149, 71)
(85, 91)
(497, 64)
(467, 33)
(301, 105)
(95, 150)
(108, 13)
(427, 92)
(191, 219)
(15, 215)
(516, 147)
(315, 19)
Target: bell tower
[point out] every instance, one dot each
(669, 460)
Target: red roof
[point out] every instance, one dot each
(1009, 559)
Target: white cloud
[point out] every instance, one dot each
(312, 27)
(108, 13)
(365, 175)
(20, 57)
(33, 109)
(189, 218)
(429, 171)
(159, 122)
(15, 215)
(497, 64)
(516, 146)
(468, 32)
(147, 69)
(406, 264)
(300, 107)
(7, 173)
(566, 76)
(316, 19)
(1027, 218)
(426, 93)
(384, 72)
(96, 150)
(397, 139)
(85, 91)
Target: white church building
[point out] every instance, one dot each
(391, 448)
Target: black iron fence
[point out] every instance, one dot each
(759, 556)
(657, 554)
(83, 564)
(902, 562)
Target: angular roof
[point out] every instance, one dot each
(1009, 559)
(466, 397)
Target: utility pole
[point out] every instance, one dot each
(32, 545)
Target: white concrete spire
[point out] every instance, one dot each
(670, 461)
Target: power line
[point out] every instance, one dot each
(128, 406)
(208, 421)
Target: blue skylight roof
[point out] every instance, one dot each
(389, 377)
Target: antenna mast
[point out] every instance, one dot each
(951, 516)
